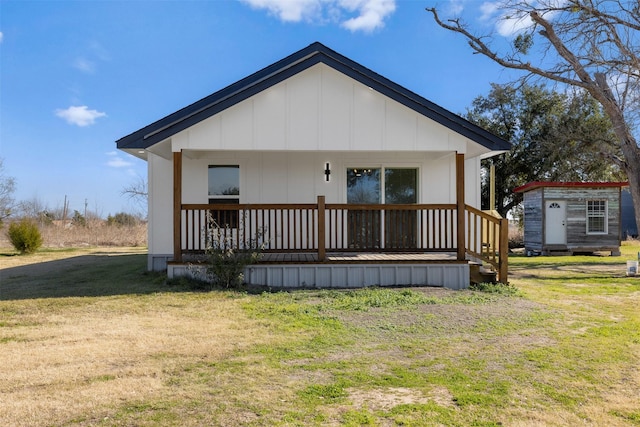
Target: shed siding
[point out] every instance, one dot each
(576, 198)
(576, 220)
(533, 220)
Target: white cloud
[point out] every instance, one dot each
(371, 14)
(489, 10)
(99, 51)
(512, 20)
(80, 116)
(509, 26)
(84, 65)
(288, 10)
(1, 36)
(455, 7)
(93, 55)
(115, 161)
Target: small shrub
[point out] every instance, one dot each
(78, 219)
(46, 218)
(122, 219)
(228, 254)
(25, 236)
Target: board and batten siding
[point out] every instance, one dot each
(292, 177)
(320, 109)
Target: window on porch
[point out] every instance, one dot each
(370, 185)
(224, 188)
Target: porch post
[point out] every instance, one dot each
(321, 229)
(503, 251)
(460, 206)
(177, 206)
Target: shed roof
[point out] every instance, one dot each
(290, 66)
(540, 184)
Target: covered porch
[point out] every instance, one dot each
(344, 244)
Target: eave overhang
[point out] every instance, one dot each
(313, 54)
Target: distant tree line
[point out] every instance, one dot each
(35, 210)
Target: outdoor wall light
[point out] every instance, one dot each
(327, 171)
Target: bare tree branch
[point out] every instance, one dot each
(592, 44)
(137, 192)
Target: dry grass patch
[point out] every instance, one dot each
(62, 362)
(95, 233)
(385, 399)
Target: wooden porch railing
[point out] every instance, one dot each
(321, 228)
(488, 239)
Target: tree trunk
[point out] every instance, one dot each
(628, 144)
(634, 187)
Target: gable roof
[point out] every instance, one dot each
(291, 65)
(542, 184)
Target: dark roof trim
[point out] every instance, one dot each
(541, 184)
(290, 66)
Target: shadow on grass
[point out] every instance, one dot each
(97, 274)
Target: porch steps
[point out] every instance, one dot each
(480, 274)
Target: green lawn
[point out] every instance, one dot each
(94, 340)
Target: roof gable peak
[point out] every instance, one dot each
(287, 67)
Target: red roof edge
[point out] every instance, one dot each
(540, 184)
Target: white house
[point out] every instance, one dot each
(354, 179)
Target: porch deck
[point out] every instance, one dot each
(358, 258)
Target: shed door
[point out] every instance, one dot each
(555, 222)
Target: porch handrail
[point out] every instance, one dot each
(320, 227)
(487, 238)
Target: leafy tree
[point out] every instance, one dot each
(555, 136)
(7, 188)
(589, 44)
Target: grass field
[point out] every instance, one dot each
(88, 338)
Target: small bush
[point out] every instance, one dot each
(122, 219)
(228, 255)
(25, 236)
(78, 219)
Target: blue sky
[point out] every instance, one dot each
(75, 76)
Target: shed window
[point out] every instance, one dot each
(596, 216)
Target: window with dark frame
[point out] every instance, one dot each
(224, 189)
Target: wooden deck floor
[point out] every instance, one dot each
(358, 258)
